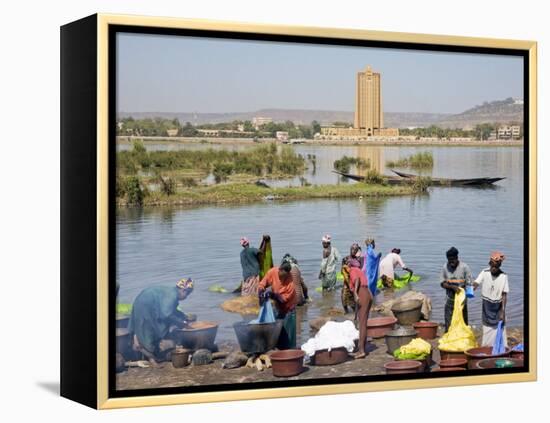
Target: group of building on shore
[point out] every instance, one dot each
(155, 311)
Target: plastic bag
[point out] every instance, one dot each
(417, 349)
(265, 315)
(498, 346)
(460, 337)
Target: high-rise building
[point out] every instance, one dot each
(368, 102)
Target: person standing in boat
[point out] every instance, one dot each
(494, 295)
(455, 275)
(331, 258)
(388, 265)
(154, 313)
(251, 266)
(283, 294)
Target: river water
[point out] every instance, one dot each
(159, 245)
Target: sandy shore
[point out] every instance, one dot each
(213, 374)
(405, 141)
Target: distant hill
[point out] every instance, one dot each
(503, 111)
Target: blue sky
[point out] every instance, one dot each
(184, 74)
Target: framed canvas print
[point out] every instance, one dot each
(255, 211)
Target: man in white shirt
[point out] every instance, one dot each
(388, 266)
(494, 293)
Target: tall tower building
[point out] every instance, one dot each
(368, 102)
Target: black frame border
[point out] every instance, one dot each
(113, 30)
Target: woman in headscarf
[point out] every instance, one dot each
(494, 295)
(348, 300)
(299, 285)
(154, 313)
(331, 258)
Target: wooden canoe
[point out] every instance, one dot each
(453, 182)
(406, 178)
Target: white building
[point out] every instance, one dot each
(259, 121)
(281, 135)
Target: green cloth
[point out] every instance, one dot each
(150, 313)
(400, 281)
(287, 339)
(267, 261)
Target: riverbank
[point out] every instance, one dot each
(372, 141)
(166, 375)
(238, 193)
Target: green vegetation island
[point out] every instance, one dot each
(153, 178)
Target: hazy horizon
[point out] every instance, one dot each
(204, 75)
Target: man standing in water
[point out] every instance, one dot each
(331, 258)
(494, 293)
(388, 266)
(250, 264)
(454, 275)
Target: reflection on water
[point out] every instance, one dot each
(162, 244)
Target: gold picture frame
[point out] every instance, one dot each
(98, 27)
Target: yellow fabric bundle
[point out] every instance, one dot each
(460, 337)
(417, 346)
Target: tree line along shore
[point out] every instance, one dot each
(247, 130)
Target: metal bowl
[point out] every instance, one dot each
(258, 337)
(198, 335)
(399, 337)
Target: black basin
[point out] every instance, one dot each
(258, 337)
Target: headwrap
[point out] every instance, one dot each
(497, 257)
(452, 252)
(369, 241)
(244, 241)
(326, 238)
(185, 284)
(288, 258)
(354, 249)
(353, 262)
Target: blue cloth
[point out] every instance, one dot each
(265, 315)
(373, 262)
(518, 348)
(498, 347)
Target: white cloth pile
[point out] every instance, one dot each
(332, 335)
